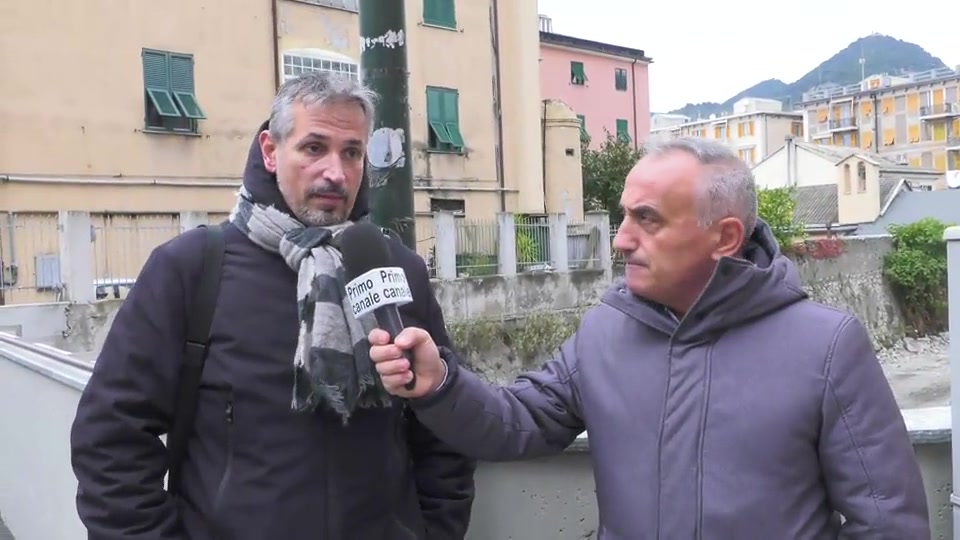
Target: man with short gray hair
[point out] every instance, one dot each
(721, 402)
(280, 428)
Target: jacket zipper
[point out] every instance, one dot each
(228, 468)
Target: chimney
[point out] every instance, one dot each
(791, 148)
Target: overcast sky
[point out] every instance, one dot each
(709, 51)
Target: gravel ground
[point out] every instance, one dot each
(919, 371)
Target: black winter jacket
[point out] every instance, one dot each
(254, 469)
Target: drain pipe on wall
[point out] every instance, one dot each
(543, 151)
(633, 90)
(275, 31)
(498, 101)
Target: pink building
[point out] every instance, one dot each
(607, 85)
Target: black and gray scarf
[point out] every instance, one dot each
(332, 364)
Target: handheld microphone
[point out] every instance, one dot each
(373, 285)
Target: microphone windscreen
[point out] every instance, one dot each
(364, 247)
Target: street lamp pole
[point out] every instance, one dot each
(383, 67)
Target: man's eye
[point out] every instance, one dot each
(313, 148)
(353, 153)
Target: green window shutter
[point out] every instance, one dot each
(623, 129)
(451, 114)
(583, 123)
(456, 138)
(434, 106)
(155, 70)
(181, 73)
(183, 87)
(620, 81)
(156, 83)
(451, 110)
(448, 13)
(440, 13)
(577, 73)
(436, 117)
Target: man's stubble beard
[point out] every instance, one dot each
(310, 217)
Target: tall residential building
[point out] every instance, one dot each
(607, 85)
(756, 128)
(155, 107)
(914, 118)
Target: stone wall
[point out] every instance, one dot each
(850, 277)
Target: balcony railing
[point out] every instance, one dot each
(953, 142)
(941, 109)
(843, 123)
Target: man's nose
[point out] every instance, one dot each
(333, 170)
(622, 241)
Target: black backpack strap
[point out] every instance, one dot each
(199, 321)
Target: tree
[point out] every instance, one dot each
(776, 206)
(604, 171)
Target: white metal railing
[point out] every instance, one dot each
(952, 237)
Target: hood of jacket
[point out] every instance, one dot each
(262, 184)
(740, 290)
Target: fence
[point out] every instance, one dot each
(50, 257)
(29, 258)
(516, 243)
(122, 243)
(47, 257)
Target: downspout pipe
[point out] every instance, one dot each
(498, 101)
(633, 91)
(275, 32)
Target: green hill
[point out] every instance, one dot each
(882, 54)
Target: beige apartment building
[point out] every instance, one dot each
(756, 128)
(149, 112)
(913, 118)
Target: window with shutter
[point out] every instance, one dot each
(620, 79)
(578, 74)
(170, 100)
(440, 13)
(623, 129)
(443, 120)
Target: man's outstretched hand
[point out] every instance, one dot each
(394, 369)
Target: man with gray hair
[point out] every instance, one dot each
(721, 402)
(277, 425)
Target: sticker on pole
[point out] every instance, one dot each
(377, 288)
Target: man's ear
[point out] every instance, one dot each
(269, 151)
(730, 239)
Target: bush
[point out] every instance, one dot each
(775, 206)
(917, 271)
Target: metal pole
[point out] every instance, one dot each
(383, 66)
(952, 237)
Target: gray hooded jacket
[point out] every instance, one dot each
(757, 416)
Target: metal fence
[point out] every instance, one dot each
(121, 245)
(29, 258)
(426, 242)
(477, 247)
(533, 243)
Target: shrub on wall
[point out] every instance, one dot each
(775, 206)
(917, 271)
